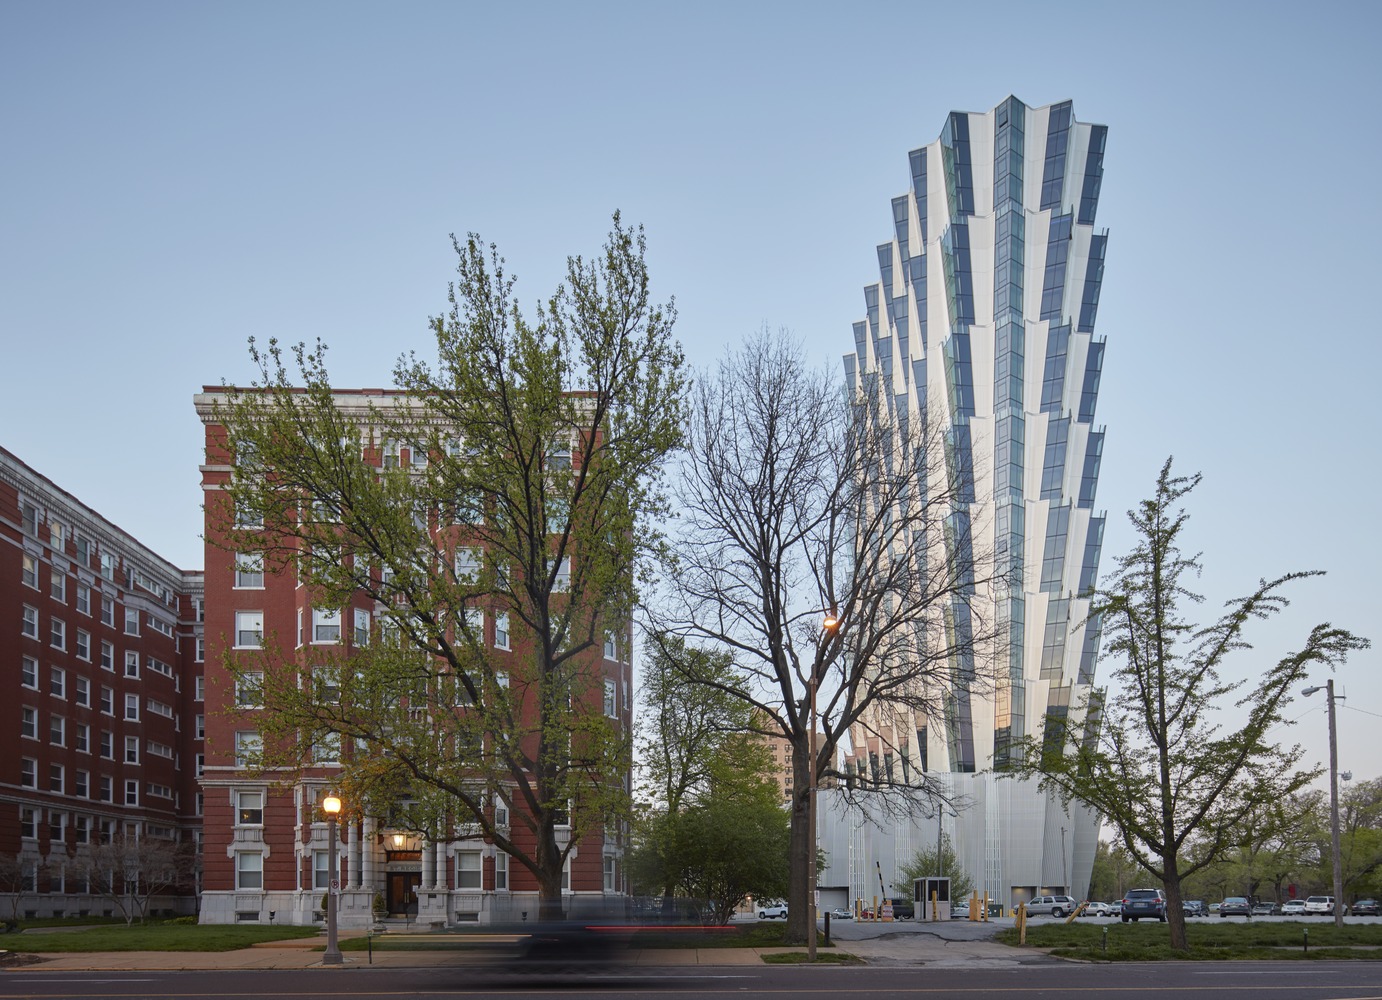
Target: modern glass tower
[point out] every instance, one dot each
(983, 319)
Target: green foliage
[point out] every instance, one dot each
(162, 936)
(1269, 939)
(1150, 758)
(521, 477)
(923, 864)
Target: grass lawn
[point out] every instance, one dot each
(763, 935)
(1209, 941)
(151, 937)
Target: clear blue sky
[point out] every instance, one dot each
(179, 176)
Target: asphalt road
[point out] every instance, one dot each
(1227, 981)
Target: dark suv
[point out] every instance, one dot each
(1139, 903)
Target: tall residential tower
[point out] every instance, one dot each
(983, 318)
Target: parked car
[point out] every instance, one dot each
(841, 913)
(1264, 909)
(1194, 908)
(1319, 906)
(1293, 908)
(904, 909)
(1139, 903)
(1056, 906)
(1213, 907)
(1235, 906)
(773, 911)
(959, 911)
(1097, 910)
(1365, 908)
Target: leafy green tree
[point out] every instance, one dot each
(517, 481)
(1114, 872)
(1152, 761)
(923, 864)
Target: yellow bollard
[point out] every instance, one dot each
(1022, 923)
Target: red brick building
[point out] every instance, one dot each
(104, 656)
(265, 848)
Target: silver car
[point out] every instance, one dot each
(1056, 906)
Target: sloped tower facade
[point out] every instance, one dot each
(983, 319)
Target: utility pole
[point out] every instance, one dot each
(1333, 802)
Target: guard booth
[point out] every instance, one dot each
(923, 889)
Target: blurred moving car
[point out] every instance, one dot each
(1139, 903)
(1235, 906)
(1265, 909)
(772, 911)
(1365, 908)
(1293, 908)
(1319, 906)
(1194, 908)
(1097, 910)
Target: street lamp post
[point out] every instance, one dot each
(830, 625)
(331, 805)
(1333, 801)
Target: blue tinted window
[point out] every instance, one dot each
(1057, 143)
(1093, 280)
(900, 225)
(1053, 559)
(1089, 478)
(1053, 465)
(959, 178)
(1053, 640)
(1008, 451)
(1089, 655)
(1089, 566)
(959, 279)
(1089, 392)
(1093, 174)
(1057, 256)
(959, 375)
(1053, 378)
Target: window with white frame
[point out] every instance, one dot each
(57, 778)
(28, 574)
(249, 808)
(610, 873)
(611, 705)
(249, 870)
(81, 784)
(249, 747)
(199, 727)
(131, 663)
(249, 571)
(326, 625)
(469, 562)
(249, 629)
(57, 730)
(326, 749)
(82, 824)
(199, 688)
(131, 749)
(321, 869)
(57, 682)
(611, 647)
(57, 633)
(107, 700)
(107, 655)
(563, 577)
(501, 630)
(566, 874)
(199, 607)
(131, 621)
(28, 672)
(132, 707)
(249, 689)
(57, 533)
(468, 870)
(57, 829)
(200, 764)
(81, 687)
(501, 871)
(360, 634)
(107, 745)
(28, 625)
(246, 516)
(28, 823)
(131, 791)
(105, 786)
(84, 599)
(28, 723)
(28, 515)
(57, 586)
(160, 708)
(160, 791)
(81, 737)
(108, 611)
(559, 453)
(200, 654)
(28, 772)
(83, 645)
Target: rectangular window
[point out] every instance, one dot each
(82, 688)
(160, 708)
(131, 621)
(249, 809)
(106, 787)
(57, 534)
(57, 633)
(57, 682)
(468, 564)
(81, 784)
(327, 749)
(84, 599)
(131, 663)
(29, 624)
(57, 829)
(468, 870)
(108, 611)
(131, 749)
(57, 730)
(249, 629)
(29, 571)
(199, 688)
(131, 791)
(57, 778)
(610, 873)
(81, 737)
(82, 824)
(321, 869)
(249, 570)
(132, 707)
(28, 723)
(361, 632)
(611, 699)
(249, 870)
(28, 823)
(249, 689)
(200, 654)
(107, 655)
(501, 630)
(199, 727)
(28, 772)
(501, 871)
(611, 648)
(326, 625)
(28, 673)
(248, 747)
(107, 701)
(107, 745)
(83, 645)
(562, 581)
(57, 586)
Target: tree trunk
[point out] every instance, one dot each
(1175, 906)
(549, 863)
(801, 860)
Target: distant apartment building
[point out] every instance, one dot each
(105, 659)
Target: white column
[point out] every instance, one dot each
(367, 860)
(429, 853)
(353, 855)
(440, 881)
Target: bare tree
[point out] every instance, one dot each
(130, 872)
(16, 879)
(825, 544)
